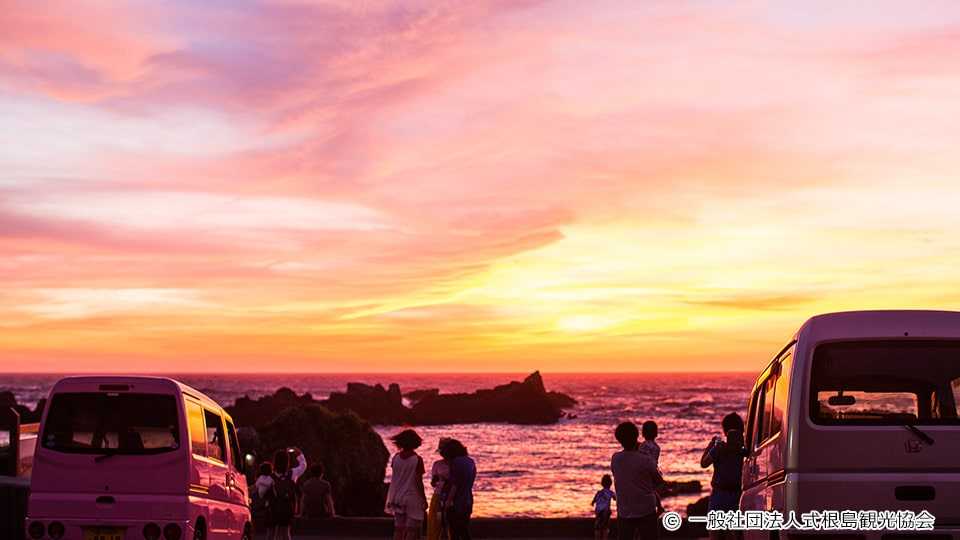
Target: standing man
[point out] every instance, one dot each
(636, 479)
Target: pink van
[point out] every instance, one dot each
(131, 458)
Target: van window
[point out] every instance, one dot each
(112, 423)
(782, 391)
(198, 434)
(770, 425)
(234, 447)
(216, 442)
(885, 382)
(756, 417)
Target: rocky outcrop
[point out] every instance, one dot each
(374, 403)
(256, 413)
(417, 395)
(352, 453)
(523, 402)
(526, 402)
(682, 488)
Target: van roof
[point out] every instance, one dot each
(153, 383)
(881, 324)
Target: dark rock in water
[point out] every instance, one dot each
(561, 400)
(352, 453)
(374, 403)
(417, 395)
(699, 508)
(27, 416)
(257, 413)
(524, 402)
(683, 488)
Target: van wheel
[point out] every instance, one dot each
(200, 531)
(246, 533)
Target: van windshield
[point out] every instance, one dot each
(112, 423)
(886, 383)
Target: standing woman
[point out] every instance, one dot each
(406, 498)
(726, 456)
(439, 477)
(459, 500)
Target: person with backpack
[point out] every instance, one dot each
(284, 495)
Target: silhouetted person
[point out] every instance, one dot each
(317, 495)
(726, 456)
(649, 446)
(440, 481)
(636, 479)
(459, 500)
(406, 498)
(284, 494)
(602, 508)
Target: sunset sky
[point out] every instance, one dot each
(351, 185)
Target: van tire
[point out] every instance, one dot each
(200, 530)
(246, 533)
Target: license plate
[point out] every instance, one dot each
(103, 533)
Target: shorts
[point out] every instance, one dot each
(602, 520)
(408, 511)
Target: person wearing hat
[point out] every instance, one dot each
(439, 477)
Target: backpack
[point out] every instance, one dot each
(283, 496)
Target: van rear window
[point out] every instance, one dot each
(112, 423)
(886, 383)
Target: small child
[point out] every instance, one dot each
(649, 447)
(601, 507)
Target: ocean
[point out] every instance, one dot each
(530, 471)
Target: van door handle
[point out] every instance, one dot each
(105, 499)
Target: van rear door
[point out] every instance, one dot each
(884, 426)
(103, 450)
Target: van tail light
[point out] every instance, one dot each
(151, 531)
(36, 529)
(172, 532)
(56, 530)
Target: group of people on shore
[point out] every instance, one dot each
(284, 490)
(638, 484)
(452, 477)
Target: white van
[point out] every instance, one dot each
(130, 458)
(859, 411)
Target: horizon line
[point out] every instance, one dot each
(511, 373)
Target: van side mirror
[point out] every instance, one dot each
(841, 400)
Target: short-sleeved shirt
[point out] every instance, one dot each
(601, 501)
(636, 479)
(727, 468)
(463, 473)
(315, 492)
(652, 449)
